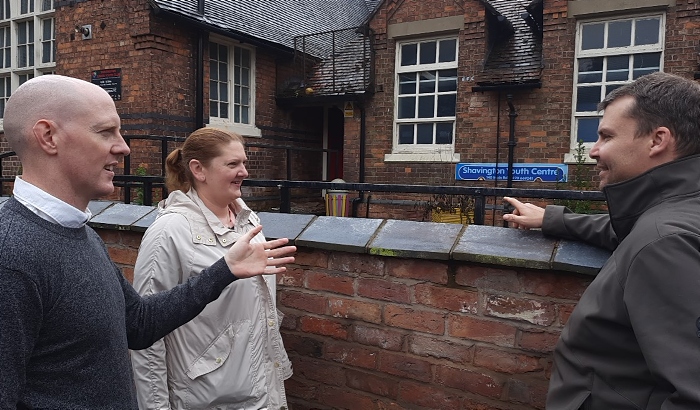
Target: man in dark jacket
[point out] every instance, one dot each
(633, 341)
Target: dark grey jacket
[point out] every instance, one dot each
(632, 342)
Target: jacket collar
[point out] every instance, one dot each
(628, 200)
(203, 223)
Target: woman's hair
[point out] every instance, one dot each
(203, 145)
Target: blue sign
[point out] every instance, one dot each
(485, 171)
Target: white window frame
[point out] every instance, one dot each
(246, 129)
(607, 52)
(423, 152)
(38, 12)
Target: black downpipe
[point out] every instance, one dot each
(511, 139)
(357, 201)
(199, 81)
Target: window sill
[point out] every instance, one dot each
(245, 130)
(447, 157)
(570, 159)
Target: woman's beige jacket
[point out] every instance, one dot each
(231, 356)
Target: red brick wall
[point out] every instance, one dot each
(370, 332)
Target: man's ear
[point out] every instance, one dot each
(663, 144)
(44, 132)
(197, 170)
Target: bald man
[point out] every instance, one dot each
(67, 315)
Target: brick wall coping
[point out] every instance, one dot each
(398, 238)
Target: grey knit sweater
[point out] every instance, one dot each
(68, 316)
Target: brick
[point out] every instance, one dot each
(429, 396)
(356, 263)
(564, 313)
(297, 388)
(538, 341)
(322, 326)
(556, 285)
(302, 345)
(303, 301)
(378, 336)
(121, 255)
(506, 362)
(469, 380)
(529, 391)
(529, 310)
(330, 283)
(351, 355)
(490, 331)
(355, 310)
(344, 399)
(372, 383)
(311, 257)
(430, 271)
(289, 320)
(414, 319)
(404, 366)
(440, 349)
(457, 300)
(321, 371)
(488, 278)
(292, 277)
(384, 290)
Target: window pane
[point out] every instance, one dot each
(447, 105)
(244, 115)
(407, 83)
(587, 98)
(426, 82)
(409, 54)
(237, 94)
(646, 64)
(590, 70)
(45, 52)
(213, 90)
(427, 52)
(618, 68)
(587, 129)
(406, 134)
(213, 109)
(223, 71)
(245, 58)
(46, 5)
(245, 96)
(223, 110)
(592, 36)
(426, 106)
(620, 33)
(223, 92)
(609, 88)
(407, 107)
(245, 76)
(236, 113)
(424, 134)
(448, 50)
(646, 31)
(46, 32)
(443, 133)
(447, 80)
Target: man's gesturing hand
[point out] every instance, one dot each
(525, 215)
(246, 259)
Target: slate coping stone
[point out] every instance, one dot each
(278, 225)
(579, 257)
(410, 239)
(120, 216)
(338, 233)
(505, 246)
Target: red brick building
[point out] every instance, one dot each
(396, 91)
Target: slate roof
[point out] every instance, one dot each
(274, 21)
(515, 57)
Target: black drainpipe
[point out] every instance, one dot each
(511, 139)
(199, 81)
(199, 73)
(357, 201)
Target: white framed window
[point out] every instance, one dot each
(232, 87)
(27, 43)
(610, 53)
(425, 100)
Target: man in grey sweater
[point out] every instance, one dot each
(67, 315)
